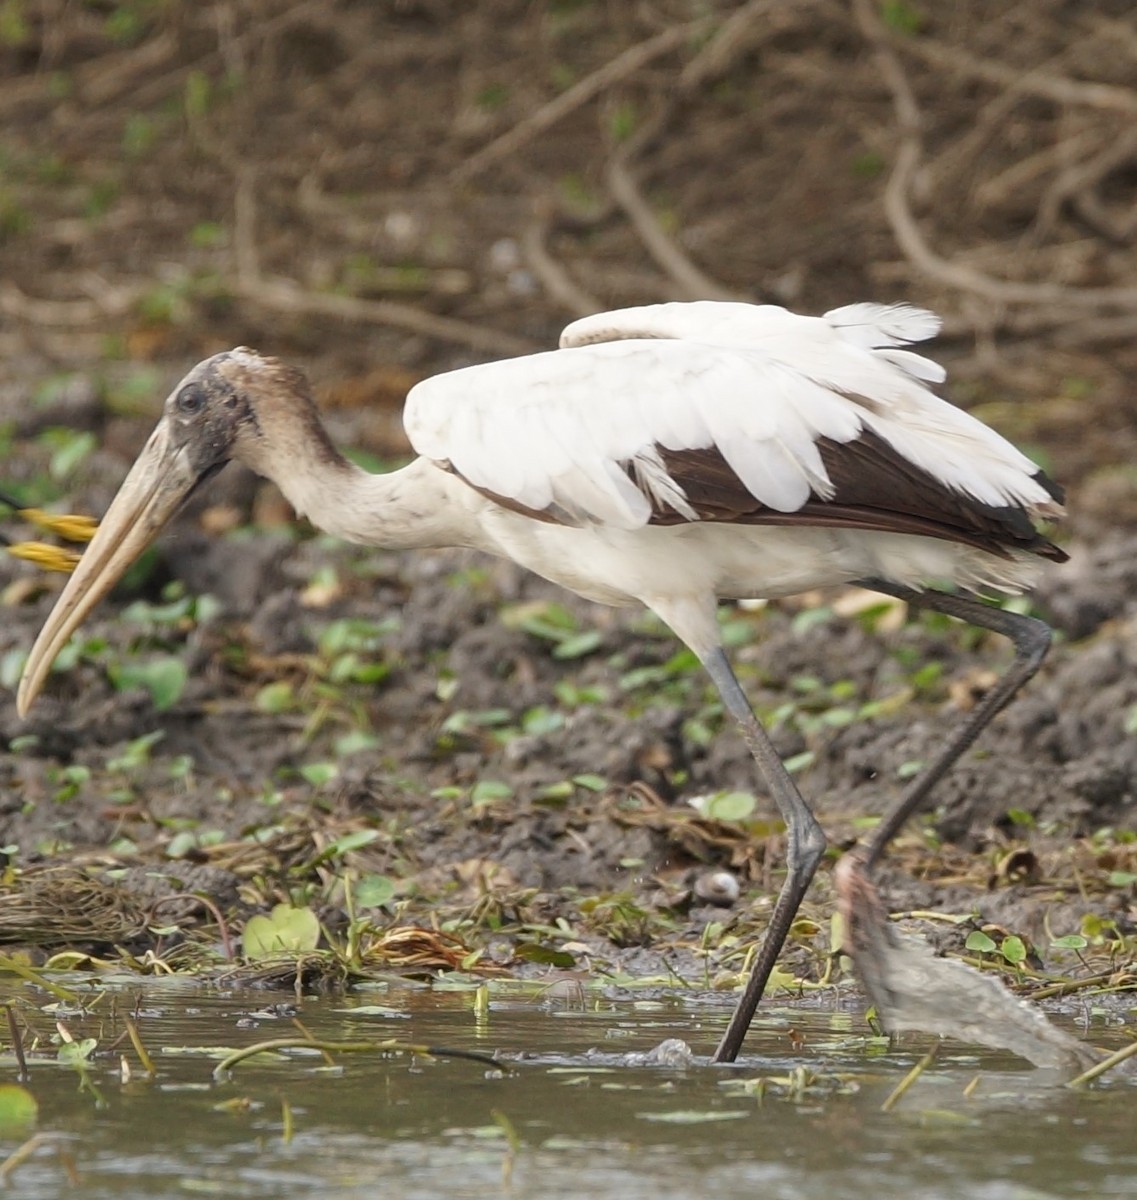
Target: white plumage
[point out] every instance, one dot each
(672, 455)
(758, 383)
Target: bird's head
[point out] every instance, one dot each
(217, 413)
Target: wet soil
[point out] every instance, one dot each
(310, 182)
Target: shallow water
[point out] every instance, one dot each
(586, 1123)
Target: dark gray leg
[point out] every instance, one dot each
(805, 844)
(1031, 639)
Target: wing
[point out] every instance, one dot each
(718, 411)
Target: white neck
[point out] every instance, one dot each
(419, 505)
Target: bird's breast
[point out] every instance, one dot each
(626, 566)
(622, 566)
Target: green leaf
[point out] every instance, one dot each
(373, 891)
(355, 742)
(198, 90)
(18, 1110)
(76, 1054)
(486, 791)
(546, 955)
(181, 844)
(557, 791)
(275, 697)
(902, 17)
(1120, 879)
(839, 717)
(1013, 949)
(799, 762)
(541, 618)
(462, 721)
(591, 783)
(727, 806)
(319, 773)
(978, 941)
(164, 678)
(1072, 941)
(355, 840)
(286, 930)
(928, 675)
(579, 644)
(541, 720)
(137, 752)
(69, 448)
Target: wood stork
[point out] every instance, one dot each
(669, 455)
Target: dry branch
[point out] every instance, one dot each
(619, 68)
(285, 295)
(897, 205)
(692, 282)
(558, 285)
(1036, 82)
(737, 35)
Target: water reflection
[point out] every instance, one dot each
(585, 1123)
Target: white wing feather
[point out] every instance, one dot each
(757, 382)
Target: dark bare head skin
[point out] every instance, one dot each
(222, 409)
(234, 406)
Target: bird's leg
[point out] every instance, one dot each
(1031, 639)
(805, 844)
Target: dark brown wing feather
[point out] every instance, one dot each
(875, 488)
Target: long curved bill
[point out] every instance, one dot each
(152, 492)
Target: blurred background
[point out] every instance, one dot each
(384, 190)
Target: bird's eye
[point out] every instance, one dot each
(191, 399)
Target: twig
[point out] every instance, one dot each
(279, 295)
(735, 36)
(17, 1044)
(284, 295)
(694, 283)
(139, 1049)
(106, 80)
(898, 1091)
(69, 313)
(1033, 83)
(245, 254)
(1090, 207)
(361, 1047)
(1117, 31)
(1093, 331)
(903, 223)
(1065, 987)
(258, 34)
(1082, 177)
(98, 81)
(211, 907)
(23, 1152)
(1106, 1064)
(623, 65)
(1024, 171)
(553, 277)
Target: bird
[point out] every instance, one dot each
(670, 455)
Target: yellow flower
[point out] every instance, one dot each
(51, 558)
(75, 527)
